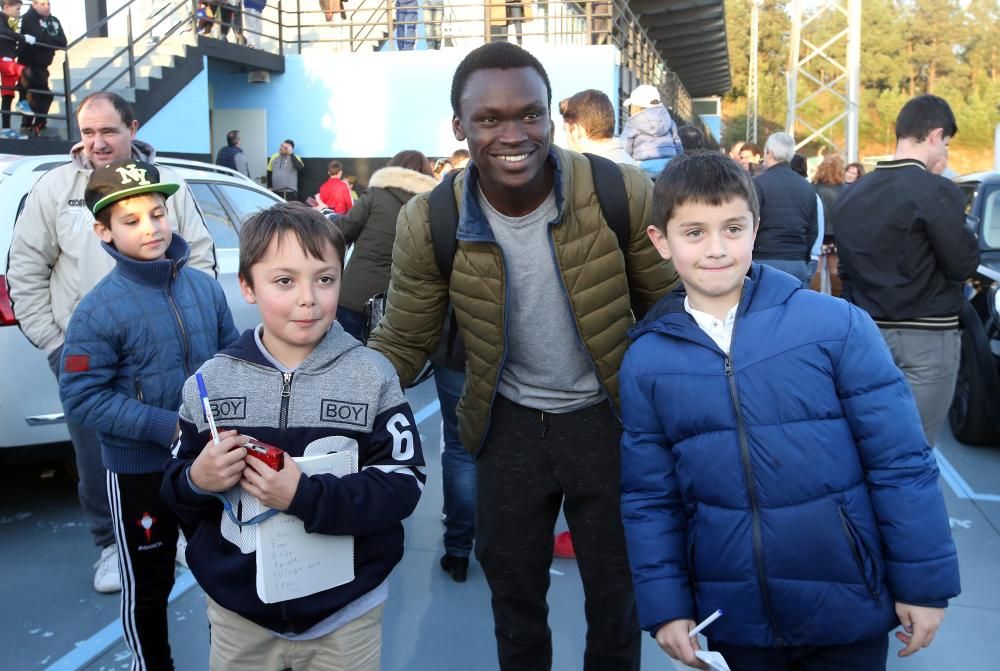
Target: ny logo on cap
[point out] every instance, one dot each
(131, 173)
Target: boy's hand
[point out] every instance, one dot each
(275, 489)
(920, 623)
(218, 467)
(673, 638)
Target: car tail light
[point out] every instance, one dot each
(6, 308)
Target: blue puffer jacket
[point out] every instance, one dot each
(789, 484)
(131, 343)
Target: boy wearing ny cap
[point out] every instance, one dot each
(650, 134)
(130, 345)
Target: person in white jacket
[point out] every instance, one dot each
(55, 258)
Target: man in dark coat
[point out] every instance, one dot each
(905, 254)
(788, 218)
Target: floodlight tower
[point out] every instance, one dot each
(752, 74)
(842, 51)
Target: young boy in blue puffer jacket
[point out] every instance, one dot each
(650, 135)
(773, 461)
(130, 345)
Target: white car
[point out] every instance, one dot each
(30, 411)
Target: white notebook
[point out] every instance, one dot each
(292, 563)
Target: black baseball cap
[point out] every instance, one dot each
(124, 179)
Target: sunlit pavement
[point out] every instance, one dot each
(52, 618)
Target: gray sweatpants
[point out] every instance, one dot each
(929, 361)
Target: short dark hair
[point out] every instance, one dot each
(490, 56)
(923, 114)
(310, 228)
(592, 111)
(334, 167)
(12, 3)
(753, 147)
(701, 177)
(122, 106)
(799, 165)
(691, 138)
(232, 137)
(412, 160)
(290, 143)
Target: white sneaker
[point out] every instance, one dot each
(107, 578)
(182, 545)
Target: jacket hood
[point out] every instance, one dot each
(402, 178)
(652, 120)
(334, 344)
(141, 151)
(763, 287)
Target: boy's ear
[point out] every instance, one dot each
(103, 232)
(247, 290)
(659, 240)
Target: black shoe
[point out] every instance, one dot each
(458, 567)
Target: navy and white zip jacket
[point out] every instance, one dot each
(789, 484)
(342, 397)
(130, 344)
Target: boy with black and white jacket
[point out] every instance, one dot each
(300, 382)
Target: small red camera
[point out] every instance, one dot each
(269, 454)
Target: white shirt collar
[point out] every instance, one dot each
(719, 330)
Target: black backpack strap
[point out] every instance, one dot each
(444, 223)
(609, 184)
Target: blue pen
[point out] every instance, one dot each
(207, 407)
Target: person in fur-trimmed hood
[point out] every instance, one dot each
(371, 227)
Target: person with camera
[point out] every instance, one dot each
(283, 171)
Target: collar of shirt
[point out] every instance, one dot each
(719, 330)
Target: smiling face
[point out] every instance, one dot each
(139, 227)
(297, 296)
(106, 138)
(711, 247)
(851, 174)
(504, 116)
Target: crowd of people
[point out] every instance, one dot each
(672, 385)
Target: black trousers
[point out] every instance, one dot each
(36, 77)
(531, 464)
(864, 656)
(146, 532)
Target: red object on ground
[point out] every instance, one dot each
(563, 548)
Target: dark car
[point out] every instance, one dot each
(975, 408)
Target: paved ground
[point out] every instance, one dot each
(52, 619)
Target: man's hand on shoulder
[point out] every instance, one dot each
(920, 623)
(673, 638)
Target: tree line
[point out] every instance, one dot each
(950, 48)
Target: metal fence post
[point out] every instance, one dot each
(67, 106)
(131, 50)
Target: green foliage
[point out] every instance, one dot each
(950, 48)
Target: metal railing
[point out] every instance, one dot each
(379, 25)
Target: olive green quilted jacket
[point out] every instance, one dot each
(595, 273)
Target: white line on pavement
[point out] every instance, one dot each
(957, 482)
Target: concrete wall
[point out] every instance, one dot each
(182, 126)
(376, 104)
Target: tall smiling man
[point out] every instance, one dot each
(55, 259)
(540, 291)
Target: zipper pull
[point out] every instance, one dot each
(729, 367)
(286, 388)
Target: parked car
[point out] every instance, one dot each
(30, 410)
(975, 409)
